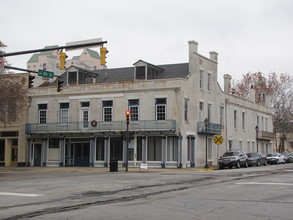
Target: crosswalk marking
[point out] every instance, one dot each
(20, 194)
(259, 183)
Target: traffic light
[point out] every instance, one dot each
(103, 52)
(127, 113)
(63, 57)
(59, 85)
(30, 81)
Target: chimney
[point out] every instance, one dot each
(192, 46)
(193, 57)
(214, 56)
(227, 83)
(251, 96)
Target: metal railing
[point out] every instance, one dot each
(114, 126)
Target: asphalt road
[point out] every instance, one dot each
(94, 193)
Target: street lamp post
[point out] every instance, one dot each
(206, 123)
(256, 130)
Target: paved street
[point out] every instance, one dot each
(96, 193)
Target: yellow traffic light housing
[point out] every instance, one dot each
(59, 85)
(103, 52)
(127, 114)
(63, 57)
(30, 81)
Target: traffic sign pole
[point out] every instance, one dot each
(218, 139)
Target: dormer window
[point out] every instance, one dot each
(144, 70)
(140, 72)
(79, 76)
(72, 78)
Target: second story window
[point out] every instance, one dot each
(209, 81)
(243, 120)
(42, 113)
(210, 113)
(201, 79)
(222, 115)
(85, 114)
(200, 112)
(235, 119)
(107, 111)
(161, 108)
(186, 108)
(133, 105)
(64, 113)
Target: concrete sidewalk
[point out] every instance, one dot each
(99, 169)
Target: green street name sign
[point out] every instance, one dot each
(46, 74)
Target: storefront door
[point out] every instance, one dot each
(37, 154)
(81, 154)
(14, 156)
(116, 149)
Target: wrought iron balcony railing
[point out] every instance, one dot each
(266, 135)
(114, 126)
(212, 129)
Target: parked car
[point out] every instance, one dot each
(256, 159)
(232, 158)
(275, 158)
(288, 157)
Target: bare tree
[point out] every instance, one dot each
(2, 59)
(13, 93)
(281, 91)
(13, 97)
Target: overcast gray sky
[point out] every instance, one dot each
(249, 35)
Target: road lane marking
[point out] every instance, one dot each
(258, 183)
(20, 194)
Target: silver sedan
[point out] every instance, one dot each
(275, 158)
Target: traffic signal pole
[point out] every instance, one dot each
(16, 68)
(127, 114)
(54, 48)
(127, 145)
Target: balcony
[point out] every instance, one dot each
(212, 129)
(114, 126)
(266, 136)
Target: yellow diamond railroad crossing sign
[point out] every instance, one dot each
(218, 139)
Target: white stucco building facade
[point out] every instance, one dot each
(84, 124)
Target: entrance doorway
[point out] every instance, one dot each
(37, 154)
(14, 152)
(116, 148)
(82, 154)
(77, 154)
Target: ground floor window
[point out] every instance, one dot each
(2, 150)
(172, 148)
(100, 149)
(139, 148)
(154, 149)
(130, 153)
(189, 149)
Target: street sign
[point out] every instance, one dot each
(218, 139)
(46, 74)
